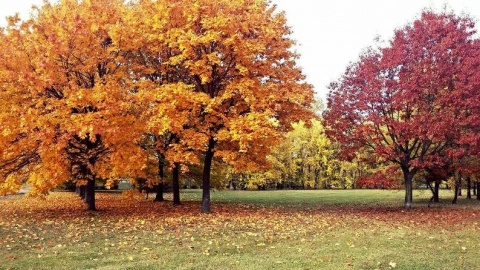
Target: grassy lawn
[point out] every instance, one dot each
(345, 229)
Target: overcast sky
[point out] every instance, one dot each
(330, 33)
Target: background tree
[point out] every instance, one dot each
(307, 158)
(405, 101)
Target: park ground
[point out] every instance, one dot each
(344, 229)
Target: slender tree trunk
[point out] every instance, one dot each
(475, 188)
(159, 191)
(478, 191)
(459, 183)
(436, 196)
(206, 176)
(457, 188)
(469, 188)
(455, 196)
(317, 174)
(176, 184)
(90, 195)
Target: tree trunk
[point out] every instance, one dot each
(206, 176)
(90, 195)
(478, 191)
(176, 184)
(455, 196)
(436, 196)
(82, 192)
(475, 188)
(469, 188)
(457, 188)
(408, 177)
(317, 178)
(159, 191)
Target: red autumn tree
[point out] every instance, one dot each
(407, 101)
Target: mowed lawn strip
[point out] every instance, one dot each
(340, 229)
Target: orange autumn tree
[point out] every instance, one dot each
(225, 78)
(73, 92)
(219, 77)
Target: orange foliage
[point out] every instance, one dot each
(88, 78)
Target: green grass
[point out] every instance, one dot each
(337, 229)
(323, 198)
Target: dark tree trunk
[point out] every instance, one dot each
(317, 178)
(475, 188)
(457, 188)
(206, 176)
(478, 191)
(436, 191)
(455, 196)
(90, 195)
(408, 177)
(176, 184)
(469, 188)
(159, 191)
(82, 192)
(83, 152)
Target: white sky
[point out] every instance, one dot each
(330, 33)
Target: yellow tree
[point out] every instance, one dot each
(308, 158)
(232, 62)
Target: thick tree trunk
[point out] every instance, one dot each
(206, 176)
(469, 188)
(159, 191)
(408, 177)
(176, 184)
(90, 195)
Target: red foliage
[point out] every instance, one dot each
(378, 180)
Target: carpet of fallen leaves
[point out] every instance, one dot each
(120, 224)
